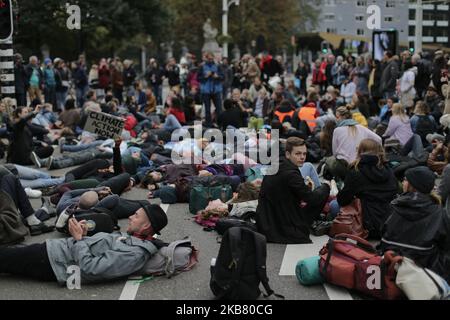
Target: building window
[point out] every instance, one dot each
(359, 18)
(390, 4)
(331, 30)
(361, 3)
(360, 32)
(330, 17)
(388, 19)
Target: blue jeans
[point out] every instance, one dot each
(80, 147)
(158, 91)
(334, 210)
(172, 123)
(61, 97)
(217, 98)
(81, 96)
(35, 179)
(308, 170)
(414, 147)
(3, 132)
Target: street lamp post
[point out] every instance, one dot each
(226, 8)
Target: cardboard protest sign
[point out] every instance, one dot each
(104, 125)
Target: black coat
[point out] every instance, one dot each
(375, 187)
(417, 220)
(280, 216)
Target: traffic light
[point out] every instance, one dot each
(325, 46)
(6, 21)
(412, 48)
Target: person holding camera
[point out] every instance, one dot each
(211, 78)
(173, 74)
(23, 148)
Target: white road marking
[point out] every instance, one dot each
(295, 253)
(131, 288)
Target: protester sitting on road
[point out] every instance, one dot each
(399, 127)
(418, 227)
(439, 158)
(101, 258)
(422, 123)
(346, 139)
(23, 146)
(372, 181)
(279, 216)
(11, 185)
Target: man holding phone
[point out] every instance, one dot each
(211, 78)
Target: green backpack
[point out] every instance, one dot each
(201, 196)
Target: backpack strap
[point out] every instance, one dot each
(170, 265)
(330, 249)
(261, 256)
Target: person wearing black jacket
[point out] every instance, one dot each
(154, 76)
(418, 227)
(21, 80)
(172, 73)
(374, 183)
(235, 115)
(287, 206)
(22, 145)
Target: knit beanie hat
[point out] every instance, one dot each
(422, 179)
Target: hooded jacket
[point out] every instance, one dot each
(376, 187)
(418, 229)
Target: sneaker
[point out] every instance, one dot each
(49, 163)
(5, 142)
(47, 206)
(40, 229)
(36, 160)
(33, 194)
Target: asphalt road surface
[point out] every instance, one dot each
(193, 285)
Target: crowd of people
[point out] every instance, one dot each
(377, 131)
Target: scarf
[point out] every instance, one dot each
(347, 123)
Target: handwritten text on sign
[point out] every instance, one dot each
(104, 125)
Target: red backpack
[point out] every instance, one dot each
(353, 263)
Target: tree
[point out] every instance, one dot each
(274, 19)
(107, 26)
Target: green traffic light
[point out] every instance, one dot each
(412, 50)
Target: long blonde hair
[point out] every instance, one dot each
(398, 110)
(369, 147)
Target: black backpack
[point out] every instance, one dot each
(424, 127)
(241, 266)
(99, 220)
